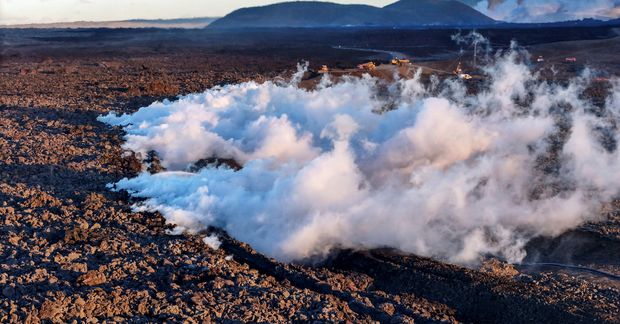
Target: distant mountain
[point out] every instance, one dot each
(327, 14)
(472, 3)
(437, 12)
(134, 23)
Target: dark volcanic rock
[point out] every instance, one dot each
(92, 278)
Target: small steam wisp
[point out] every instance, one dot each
(446, 173)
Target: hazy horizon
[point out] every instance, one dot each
(14, 12)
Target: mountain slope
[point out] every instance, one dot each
(300, 14)
(326, 14)
(437, 12)
(471, 3)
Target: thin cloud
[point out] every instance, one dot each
(548, 11)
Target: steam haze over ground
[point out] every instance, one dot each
(425, 168)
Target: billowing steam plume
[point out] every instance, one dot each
(548, 10)
(427, 168)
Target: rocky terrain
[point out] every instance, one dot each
(71, 250)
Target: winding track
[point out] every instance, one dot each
(570, 267)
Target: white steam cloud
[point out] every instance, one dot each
(427, 169)
(548, 10)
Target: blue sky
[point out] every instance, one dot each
(44, 11)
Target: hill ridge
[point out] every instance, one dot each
(328, 14)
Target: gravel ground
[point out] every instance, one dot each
(71, 250)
